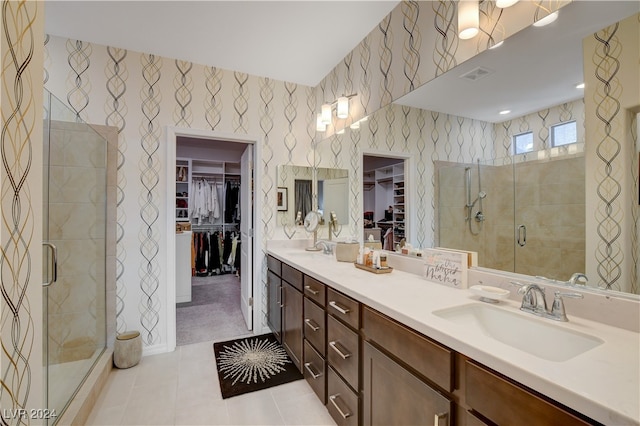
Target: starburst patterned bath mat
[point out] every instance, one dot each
(251, 364)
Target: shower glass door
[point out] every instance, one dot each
(74, 225)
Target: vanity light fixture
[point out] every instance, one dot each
(342, 109)
(468, 19)
(505, 3)
(544, 15)
(356, 125)
(498, 44)
(546, 20)
(320, 125)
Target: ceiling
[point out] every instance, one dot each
(294, 41)
(302, 41)
(534, 69)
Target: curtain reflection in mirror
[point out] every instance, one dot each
(303, 196)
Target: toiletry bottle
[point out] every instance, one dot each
(383, 260)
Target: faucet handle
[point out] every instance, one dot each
(558, 312)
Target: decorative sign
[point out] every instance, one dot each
(446, 267)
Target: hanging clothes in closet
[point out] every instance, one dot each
(215, 253)
(204, 205)
(232, 201)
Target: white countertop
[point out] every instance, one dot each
(602, 383)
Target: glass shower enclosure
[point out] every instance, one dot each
(74, 252)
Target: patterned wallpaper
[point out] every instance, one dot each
(21, 206)
(612, 77)
(140, 93)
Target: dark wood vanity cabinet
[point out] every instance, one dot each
(343, 358)
(274, 297)
(501, 401)
(292, 308)
(285, 306)
(393, 395)
(315, 336)
(400, 371)
(369, 369)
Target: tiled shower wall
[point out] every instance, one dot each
(76, 302)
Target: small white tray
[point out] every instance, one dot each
(489, 294)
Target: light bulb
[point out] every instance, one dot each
(546, 20)
(468, 19)
(320, 126)
(505, 3)
(326, 114)
(342, 110)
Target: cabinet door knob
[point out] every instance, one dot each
(334, 346)
(312, 324)
(339, 308)
(333, 399)
(307, 366)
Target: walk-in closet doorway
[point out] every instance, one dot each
(211, 195)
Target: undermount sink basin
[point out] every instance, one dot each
(536, 336)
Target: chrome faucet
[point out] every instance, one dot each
(326, 248)
(534, 301)
(578, 278)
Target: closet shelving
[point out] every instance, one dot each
(389, 185)
(398, 203)
(183, 183)
(216, 173)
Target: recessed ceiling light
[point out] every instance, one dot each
(504, 112)
(580, 86)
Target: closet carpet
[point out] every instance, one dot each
(213, 313)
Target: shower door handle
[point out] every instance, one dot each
(54, 264)
(522, 235)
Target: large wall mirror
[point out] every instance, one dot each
(295, 189)
(522, 211)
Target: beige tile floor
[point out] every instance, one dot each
(181, 388)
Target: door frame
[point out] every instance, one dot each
(409, 177)
(172, 135)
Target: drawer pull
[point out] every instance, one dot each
(438, 417)
(311, 290)
(333, 399)
(307, 366)
(339, 308)
(334, 346)
(312, 324)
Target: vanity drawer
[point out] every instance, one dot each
(314, 372)
(504, 402)
(274, 265)
(342, 402)
(343, 345)
(344, 308)
(292, 276)
(315, 290)
(428, 358)
(314, 325)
